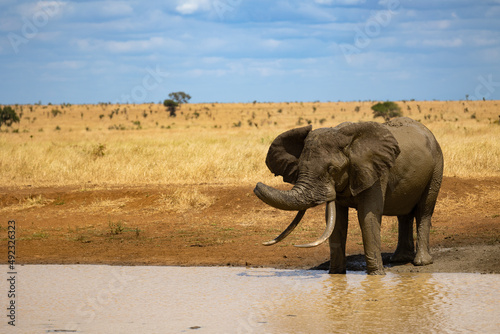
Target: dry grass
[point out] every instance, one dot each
(105, 205)
(184, 199)
(31, 201)
(211, 143)
(470, 148)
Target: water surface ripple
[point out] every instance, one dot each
(112, 299)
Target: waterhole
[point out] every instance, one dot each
(113, 299)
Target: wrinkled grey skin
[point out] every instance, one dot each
(392, 169)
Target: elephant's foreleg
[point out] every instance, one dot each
(405, 251)
(370, 228)
(338, 241)
(371, 204)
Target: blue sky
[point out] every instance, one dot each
(246, 50)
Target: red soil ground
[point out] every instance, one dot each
(128, 226)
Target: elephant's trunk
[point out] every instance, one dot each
(295, 199)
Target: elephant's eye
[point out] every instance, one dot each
(338, 164)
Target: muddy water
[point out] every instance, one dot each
(106, 299)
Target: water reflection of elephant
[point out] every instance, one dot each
(407, 303)
(380, 169)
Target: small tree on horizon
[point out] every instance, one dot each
(180, 97)
(387, 110)
(171, 106)
(176, 99)
(8, 116)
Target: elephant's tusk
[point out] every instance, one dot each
(288, 230)
(330, 225)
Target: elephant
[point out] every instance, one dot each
(392, 169)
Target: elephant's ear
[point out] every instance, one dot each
(372, 152)
(283, 155)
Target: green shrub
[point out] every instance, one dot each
(387, 110)
(8, 116)
(98, 151)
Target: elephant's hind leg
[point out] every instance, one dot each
(405, 251)
(423, 215)
(423, 257)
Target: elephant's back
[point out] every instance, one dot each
(407, 125)
(411, 134)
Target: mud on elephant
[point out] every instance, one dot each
(392, 169)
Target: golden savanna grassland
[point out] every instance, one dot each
(127, 184)
(107, 144)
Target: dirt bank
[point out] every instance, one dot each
(137, 226)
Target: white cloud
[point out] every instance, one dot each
(197, 73)
(106, 11)
(116, 8)
(41, 9)
(66, 65)
(128, 46)
(427, 25)
(339, 2)
(443, 43)
(135, 45)
(187, 7)
(212, 60)
(480, 41)
(272, 43)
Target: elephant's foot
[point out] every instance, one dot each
(374, 265)
(337, 270)
(376, 272)
(422, 259)
(376, 268)
(402, 256)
